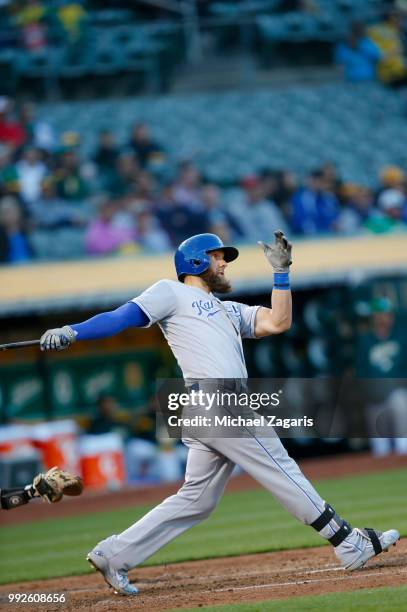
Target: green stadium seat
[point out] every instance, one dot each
(277, 125)
(60, 244)
(40, 64)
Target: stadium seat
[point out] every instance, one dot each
(79, 64)
(107, 58)
(60, 244)
(295, 127)
(38, 65)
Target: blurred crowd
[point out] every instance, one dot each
(34, 25)
(131, 197)
(378, 50)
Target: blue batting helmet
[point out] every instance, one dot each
(192, 255)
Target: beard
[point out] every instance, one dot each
(217, 283)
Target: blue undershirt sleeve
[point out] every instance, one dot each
(111, 323)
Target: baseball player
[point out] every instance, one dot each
(205, 335)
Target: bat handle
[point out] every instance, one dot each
(17, 345)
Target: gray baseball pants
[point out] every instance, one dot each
(209, 465)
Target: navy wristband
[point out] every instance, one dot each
(281, 280)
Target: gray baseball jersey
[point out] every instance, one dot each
(204, 333)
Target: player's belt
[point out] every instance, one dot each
(237, 385)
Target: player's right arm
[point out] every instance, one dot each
(152, 305)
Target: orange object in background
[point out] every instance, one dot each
(16, 440)
(58, 443)
(102, 461)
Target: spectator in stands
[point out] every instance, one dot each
(356, 207)
(332, 179)
(178, 220)
(121, 182)
(287, 185)
(257, 217)
(51, 212)
(107, 151)
(72, 18)
(69, 182)
(394, 180)
(391, 177)
(145, 149)
(31, 20)
(187, 188)
(11, 130)
(104, 234)
(391, 213)
(15, 247)
(150, 234)
(70, 141)
(144, 188)
(270, 182)
(278, 187)
(39, 133)
(218, 219)
(140, 199)
(358, 55)
(31, 171)
(315, 210)
(108, 417)
(388, 36)
(9, 184)
(381, 355)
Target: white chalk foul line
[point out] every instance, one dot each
(304, 581)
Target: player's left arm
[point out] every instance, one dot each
(277, 319)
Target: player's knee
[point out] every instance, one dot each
(201, 505)
(206, 506)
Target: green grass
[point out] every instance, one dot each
(388, 599)
(244, 522)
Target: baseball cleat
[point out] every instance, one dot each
(363, 544)
(116, 579)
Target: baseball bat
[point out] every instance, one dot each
(17, 345)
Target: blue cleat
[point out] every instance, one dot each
(116, 579)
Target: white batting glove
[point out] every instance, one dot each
(57, 339)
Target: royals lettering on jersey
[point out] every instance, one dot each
(205, 307)
(204, 333)
(211, 308)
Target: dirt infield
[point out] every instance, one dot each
(276, 575)
(93, 501)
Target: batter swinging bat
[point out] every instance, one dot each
(16, 345)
